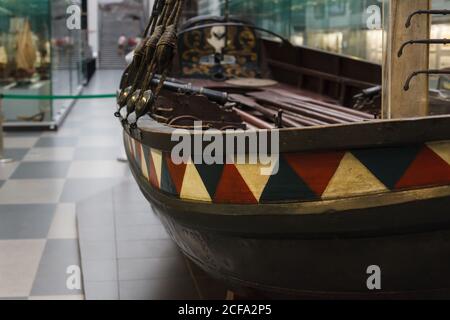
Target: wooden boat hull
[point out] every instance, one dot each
(274, 264)
(319, 240)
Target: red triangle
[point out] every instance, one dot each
(176, 172)
(428, 169)
(233, 189)
(152, 176)
(315, 169)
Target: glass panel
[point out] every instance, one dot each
(350, 27)
(440, 59)
(25, 58)
(67, 52)
(45, 60)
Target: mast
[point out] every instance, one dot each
(397, 68)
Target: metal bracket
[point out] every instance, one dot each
(427, 72)
(428, 41)
(429, 12)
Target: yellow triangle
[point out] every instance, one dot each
(144, 164)
(251, 173)
(352, 178)
(132, 148)
(442, 149)
(157, 162)
(193, 187)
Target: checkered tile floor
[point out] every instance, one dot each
(122, 249)
(39, 192)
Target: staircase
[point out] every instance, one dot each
(112, 27)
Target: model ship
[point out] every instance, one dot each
(348, 191)
(3, 63)
(26, 54)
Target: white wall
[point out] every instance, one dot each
(93, 26)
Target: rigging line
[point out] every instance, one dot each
(128, 87)
(151, 44)
(164, 55)
(155, 13)
(139, 51)
(138, 94)
(152, 67)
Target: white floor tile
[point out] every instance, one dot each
(20, 142)
(7, 169)
(50, 154)
(97, 169)
(99, 141)
(64, 225)
(31, 191)
(19, 262)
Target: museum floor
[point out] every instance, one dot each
(66, 201)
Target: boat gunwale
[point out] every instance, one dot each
(373, 133)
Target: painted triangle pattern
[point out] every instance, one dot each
(307, 176)
(167, 183)
(254, 177)
(156, 156)
(233, 188)
(316, 169)
(153, 176)
(286, 185)
(388, 164)
(211, 176)
(175, 171)
(144, 168)
(352, 178)
(442, 149)
(428, 169)
(193, 187)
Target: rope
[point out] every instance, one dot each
(54, 97)
(160, 49)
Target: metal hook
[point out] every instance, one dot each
(427, 72)
(429, 12)
(427, 41)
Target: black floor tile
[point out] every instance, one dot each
(15, 154)
(57, 142)
(94, 153)
(42, 170)
(51, 278)
(25, 221)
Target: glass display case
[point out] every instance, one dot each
(348, 27)
(39, 55)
